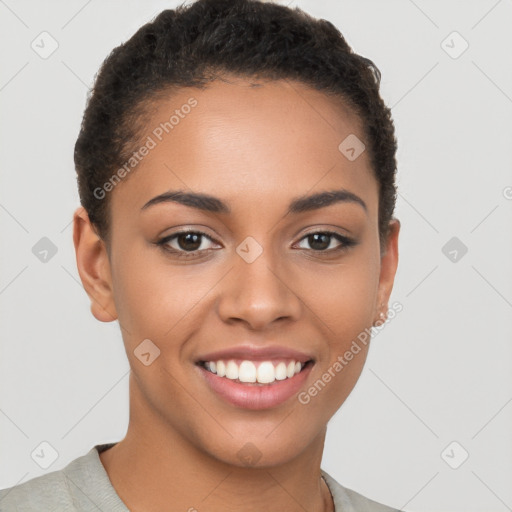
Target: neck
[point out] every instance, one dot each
(154, 467)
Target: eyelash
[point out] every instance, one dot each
(346, 243)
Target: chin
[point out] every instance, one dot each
(264, 448)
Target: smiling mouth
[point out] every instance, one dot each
(256, 373)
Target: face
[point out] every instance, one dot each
(259, 275)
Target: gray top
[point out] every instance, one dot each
(83, 485)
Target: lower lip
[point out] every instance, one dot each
(254, 396)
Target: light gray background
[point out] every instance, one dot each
(440, 372)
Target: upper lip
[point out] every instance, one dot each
(256, 353)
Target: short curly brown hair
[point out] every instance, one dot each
(193, 44)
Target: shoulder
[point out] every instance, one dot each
(45, 492)
(82, 485)
(347, 500)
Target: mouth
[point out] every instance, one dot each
(258, 373)
(255, 380)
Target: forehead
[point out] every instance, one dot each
(247, 141)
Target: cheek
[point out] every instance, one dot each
(342, 300)
(157, 300)
(343, 296)
(344, 307)
(148, 300)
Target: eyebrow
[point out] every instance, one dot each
(298, 205)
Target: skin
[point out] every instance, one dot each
(255, 148)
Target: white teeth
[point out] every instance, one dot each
(266, 373)
(221, 369)
(248, 371)
(281, 371)
(290, 369)
(232, 370)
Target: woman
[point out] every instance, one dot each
(236, 169)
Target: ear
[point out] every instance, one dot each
(94, 267)
(389, 263)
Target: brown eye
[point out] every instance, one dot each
(321, 241)
(186, 243)
(189, 241)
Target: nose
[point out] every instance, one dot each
(259, 294)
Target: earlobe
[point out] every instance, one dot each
(389, 264)
(93, 267)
